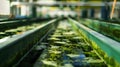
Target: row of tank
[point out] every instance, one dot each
(111, 30)
(67, 49)
(20, 29)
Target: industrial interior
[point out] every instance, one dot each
(60, 33)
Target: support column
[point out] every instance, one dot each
(12, 10)
(32, 10)
(18, 11)
(92, 13)
(105, 11)
(118, 13)
(84, 13)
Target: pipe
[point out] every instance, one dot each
(113, 8)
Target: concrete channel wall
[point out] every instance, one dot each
(14, 23)
(111, 30)
(14, 48)
(107, 48)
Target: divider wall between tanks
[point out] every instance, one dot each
(16, 23)
(9, 19)
(109, 29)
(16, 47)
(105, 47)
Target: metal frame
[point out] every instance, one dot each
(92, 4)
(106, 44)
(16, 47)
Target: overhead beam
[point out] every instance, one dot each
(91, 4)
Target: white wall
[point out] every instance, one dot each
(4, 7)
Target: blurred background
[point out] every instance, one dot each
(80, 33)
(50, 8)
